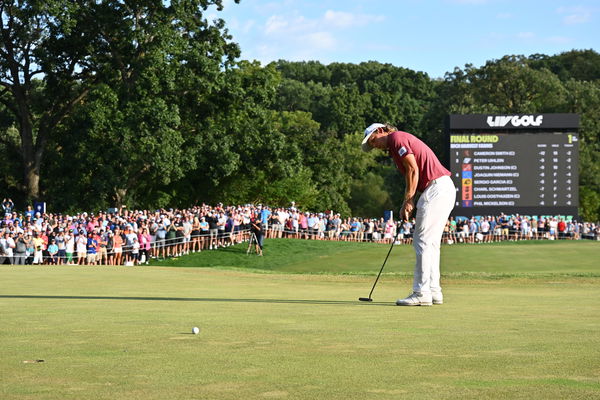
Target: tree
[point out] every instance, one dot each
(234, 138)
(344, 97)
(369, 197)
(584, 99)
(54, 53)
(317, 151)
(580, 65)
(304, 71)
(508, 85)
(347, 109)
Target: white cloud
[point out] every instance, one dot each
(289, 34)
(341, 19)
(281, 26)
(275, 24)
(244, 27)
(331, 21)
(575, 15)
(525, 35)
(320, 41)
(504, 15)
(496, 38)
(559, 40)
(575, 19)
(247, 27)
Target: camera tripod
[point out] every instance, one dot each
(254, 242)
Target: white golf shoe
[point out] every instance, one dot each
(415, 299)
(437, 298)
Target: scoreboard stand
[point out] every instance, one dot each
(514, 164)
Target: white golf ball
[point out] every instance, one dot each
(195, 330)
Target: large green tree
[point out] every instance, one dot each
(580, 65)
(344, 98)
(55, 53)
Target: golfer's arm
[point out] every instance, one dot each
(411, 176)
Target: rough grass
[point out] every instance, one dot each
(495, 260)
(125, 332)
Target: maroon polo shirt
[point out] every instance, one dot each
(400, 144)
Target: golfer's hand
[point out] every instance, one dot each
(407, 210)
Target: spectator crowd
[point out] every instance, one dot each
(128, 237)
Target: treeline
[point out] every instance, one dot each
(148, 105)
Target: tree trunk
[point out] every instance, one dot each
(119, 196)
(32, 181)
(32, 158)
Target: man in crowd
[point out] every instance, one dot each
(504, 226)
(7, 246)
(38, 245)
(7, 206)
(20, 254)
(258, 230)
(92, 249)
(562, 228)
(265, 214)
(213, 229)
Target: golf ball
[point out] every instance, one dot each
(195, 330)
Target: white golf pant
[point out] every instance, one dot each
(433, 210)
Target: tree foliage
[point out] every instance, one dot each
(148, 104)
(56, 53)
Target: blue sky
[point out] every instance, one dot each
(433, 36)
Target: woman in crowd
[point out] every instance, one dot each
(144, 241)
(118, 246)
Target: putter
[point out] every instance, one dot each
(379, 274)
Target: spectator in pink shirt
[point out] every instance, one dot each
(303, 222)
(145, 241)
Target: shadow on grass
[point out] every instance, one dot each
(198, 299)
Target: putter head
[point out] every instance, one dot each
(365, 299)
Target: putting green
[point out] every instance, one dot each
(125, 333)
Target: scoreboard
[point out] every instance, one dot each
(526, 164)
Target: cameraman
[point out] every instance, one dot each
(256, 228)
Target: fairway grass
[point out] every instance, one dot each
(125, 333)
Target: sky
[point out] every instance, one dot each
(433, 36)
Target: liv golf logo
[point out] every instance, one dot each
(514, 120)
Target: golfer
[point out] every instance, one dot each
(424, 174)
